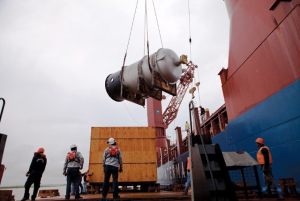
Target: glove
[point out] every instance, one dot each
(65, 173)
(27, 174)
(120, 169)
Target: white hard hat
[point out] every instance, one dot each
(73, 146)
(111, 141)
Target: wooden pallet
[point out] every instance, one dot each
(6, 195)
(48, 193)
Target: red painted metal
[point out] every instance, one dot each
(2, 168)
(154, 113)
(179, 144)
(161, 121)
(264, 51)
(172, 109)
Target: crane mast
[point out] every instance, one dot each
(171, 111)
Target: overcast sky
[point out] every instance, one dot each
(56, 54)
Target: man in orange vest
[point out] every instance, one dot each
(264, 159)
(112, 164)
(188, 176)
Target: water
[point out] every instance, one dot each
(18, 192)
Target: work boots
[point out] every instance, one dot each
(33, 198)
(25, 197)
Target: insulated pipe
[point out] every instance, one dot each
(165, 62)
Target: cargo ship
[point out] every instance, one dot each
(261, 85)
(261, 89)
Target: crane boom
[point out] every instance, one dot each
(171, 111)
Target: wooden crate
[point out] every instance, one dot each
(48, 193)
(138, 147)
(6, 195)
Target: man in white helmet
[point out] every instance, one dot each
(73, 164)
(112, 164)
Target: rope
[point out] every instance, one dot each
(146, 37)
(190, 33)
(157, 24)
(130, 33)
(197, 77)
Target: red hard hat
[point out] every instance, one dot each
(260, 140)
(40, 150)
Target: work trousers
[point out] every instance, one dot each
(108, 171)
(84, 189)
(269, 180)
(34, 178)
(73, 177)
(188, 181)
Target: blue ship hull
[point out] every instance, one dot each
(277, 120)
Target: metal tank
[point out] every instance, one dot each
(146, 78)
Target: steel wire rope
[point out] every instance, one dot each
(124, 59)
(190, 32)
(136, 5)
(197, 77)
(147, 35)
(146, 40)
(157, 24)
(190, 37)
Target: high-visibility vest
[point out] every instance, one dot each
(188, 166)
(260, 157)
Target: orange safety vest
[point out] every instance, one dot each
(188, 166)
(260, 157)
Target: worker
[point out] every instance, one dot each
(187, 126)
(112, 163)
(85, 181)
(264, 159)
(35, 172)
(187, 184)
(73, 164)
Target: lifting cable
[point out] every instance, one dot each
(130, 34)
(146, 35)
(196, 78)
(157, 24)
(124, 60)
(146, 25)
(190, 33)
(191, 106)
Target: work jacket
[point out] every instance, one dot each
(188, 166)
(38, 164)
(76, 163)
(264, 156)
(115, 161)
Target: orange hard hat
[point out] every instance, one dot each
(260, 140)
(40, 150)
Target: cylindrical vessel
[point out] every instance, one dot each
(165, 62)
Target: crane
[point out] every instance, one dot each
(171, 111)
